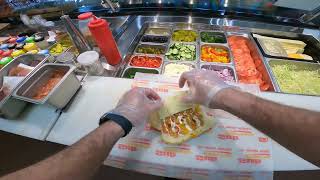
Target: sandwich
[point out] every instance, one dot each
(179, 122)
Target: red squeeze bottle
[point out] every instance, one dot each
(102, 34)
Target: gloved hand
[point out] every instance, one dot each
(203, 85)
(137, 105)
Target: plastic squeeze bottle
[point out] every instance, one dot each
(102, 34)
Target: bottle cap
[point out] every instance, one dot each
(29, 39)
(85, 16)
(12, 40)
(7, 53)
(5, 60)
(21, 39)
(97, 22)
(4, 46)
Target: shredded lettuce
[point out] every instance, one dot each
(293, 79)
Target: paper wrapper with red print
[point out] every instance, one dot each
(230, 150)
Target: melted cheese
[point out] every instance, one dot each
(182, 123)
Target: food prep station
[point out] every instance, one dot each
(146, 39)
(163, 51)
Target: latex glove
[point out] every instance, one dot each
(137, 105)
(203, 85)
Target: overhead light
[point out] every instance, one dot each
(189, 19)
(225, 3)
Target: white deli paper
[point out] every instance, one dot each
(232, 149)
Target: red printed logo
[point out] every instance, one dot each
(230, 137)
(165, 153)
(205, 158)
(263, 139)
(127, 147)
(249, 161)
(160, 89)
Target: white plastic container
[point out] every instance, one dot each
(90, 60)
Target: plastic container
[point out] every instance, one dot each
(102, 34)
(84, 19)
(90, 60)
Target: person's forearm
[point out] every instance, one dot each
(80, 161)
(296, 129)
